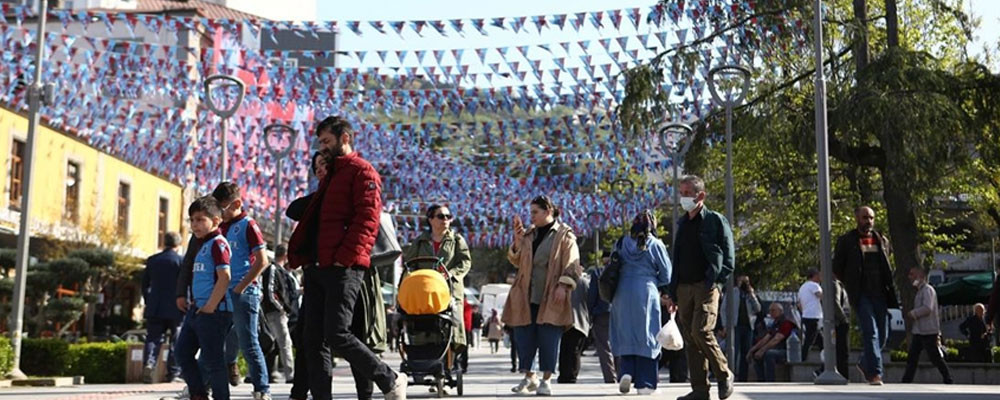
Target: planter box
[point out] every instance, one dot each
(961, 373)
(56, 381)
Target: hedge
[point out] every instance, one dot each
(6, 355)
(101, 362)
(44, 357)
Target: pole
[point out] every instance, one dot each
(224, 172)
(277, 205)
(673, 207)
(730, 317)
(830, 376)
(24, 231)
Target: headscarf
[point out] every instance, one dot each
(643, 226)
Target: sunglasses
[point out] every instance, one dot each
(443, 217)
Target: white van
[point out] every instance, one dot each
(492, 297)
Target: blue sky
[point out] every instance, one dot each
(409, 10)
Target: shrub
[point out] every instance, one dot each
(6, 355)
(100, 362)
(951, 354)
(898, 355)
(996, 354)
(44, 357)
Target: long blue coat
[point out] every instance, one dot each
(635, 310)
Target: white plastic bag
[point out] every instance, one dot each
(670, 336)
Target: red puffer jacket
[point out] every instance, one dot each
(341, 222)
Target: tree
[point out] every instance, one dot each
(911, 119)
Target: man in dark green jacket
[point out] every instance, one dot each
(704, 257)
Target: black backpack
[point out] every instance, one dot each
(608, 281)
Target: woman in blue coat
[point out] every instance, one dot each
(635, 310)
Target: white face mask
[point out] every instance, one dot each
(688, 203)
(916, 283)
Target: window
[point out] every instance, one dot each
(124, 200)
(16, 174)
(72, 211)
(161, 231)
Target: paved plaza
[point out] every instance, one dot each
(490, 377)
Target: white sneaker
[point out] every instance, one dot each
(544, 388)
(261, 396)
(398, 391)
(648, 391)
(526, 386)
(625, 384)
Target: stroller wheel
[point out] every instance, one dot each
(440, 387)
(458, 380)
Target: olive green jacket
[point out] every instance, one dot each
(457, 259)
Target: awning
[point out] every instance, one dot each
(970, 289)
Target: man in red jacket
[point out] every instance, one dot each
(333, 242)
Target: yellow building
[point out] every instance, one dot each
(82, 194)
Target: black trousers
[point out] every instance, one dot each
(570, 350)
(677, 363)
(332, 294)
(513, 350)
(811, 326)
(464, 361)
(929, 343)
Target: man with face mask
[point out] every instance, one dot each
(926, 328)
(704, 257)
(861, 262)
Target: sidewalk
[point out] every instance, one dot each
(490, 377)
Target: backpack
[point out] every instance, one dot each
(608, 279)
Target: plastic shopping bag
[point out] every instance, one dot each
(670, 336)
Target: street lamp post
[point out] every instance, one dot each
(224, 111)
(729, 101)
(599, 217)
(830, 376)
(680, 131)
(279, 156)
(621, 188)
(35, 94)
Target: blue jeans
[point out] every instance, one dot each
(873, 319)
(744, 340)
(765, 366)
(156, 329)
(243, 337)
(643, 370)
(206, 332)
(538, 338)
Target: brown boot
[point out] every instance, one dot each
(234, 375)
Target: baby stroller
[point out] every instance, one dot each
(426, 322)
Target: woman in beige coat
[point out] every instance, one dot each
(538, 305)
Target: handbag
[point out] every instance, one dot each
(386, 249)
(670, 336)
(607, 283)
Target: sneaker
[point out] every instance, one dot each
(147, 374)
(185, 394)
(261, 396)
(726, 387)
(625, 384)
(876, 380)
(234, 375)
(398, 391)
(648, 391)
(526, 386)
(544, 388)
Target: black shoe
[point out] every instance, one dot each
(247, 380)
(513, 370)
(695, 396)
(726, 387)
(234, 375)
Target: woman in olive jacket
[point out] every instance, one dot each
(453, 252)
(538, 306)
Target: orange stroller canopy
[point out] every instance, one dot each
(424, 292)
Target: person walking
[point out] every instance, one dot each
(635, 309)
(811, 306)
(749, 307)
(333, 242)
(162, 317)
(538, 305)
(925, 328)
(600, 318)
(675, 361)
(276, 305)
(861, 262)
(975, 329)
(494, 331)
(574, 339)
(704, 257)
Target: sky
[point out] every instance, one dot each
(409, 10)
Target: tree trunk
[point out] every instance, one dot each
(861, 56)
(891, 24)
(903, 234)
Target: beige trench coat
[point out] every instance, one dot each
(564, 267)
